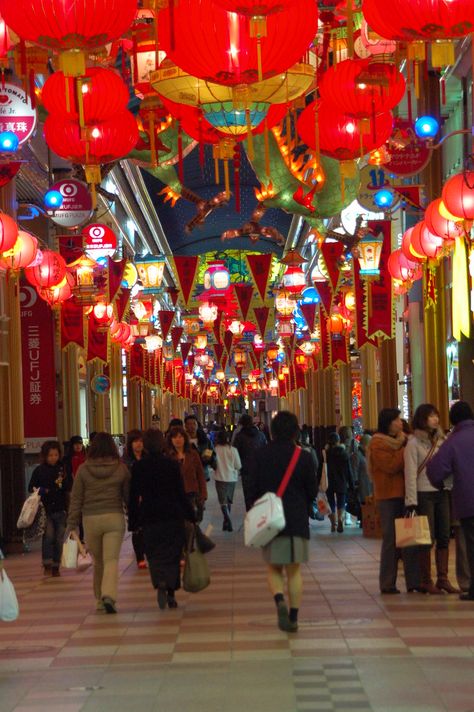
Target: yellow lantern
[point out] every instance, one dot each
(220, 375)
(240, 357)
(369, 251)
(191, 325)
(284, 303)
(200, 341)
(150, 271)
(272, 352)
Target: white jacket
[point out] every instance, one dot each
(416, 452)
(228, 463)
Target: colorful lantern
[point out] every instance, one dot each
(240, 356)
(458, 194)
(200, 341)
(447, 228)
(49, 273)
(301, 360)
(236, 327)
(369, 251)
(191, 326)
(423, 20)
(402, 269)
(208, 313)
(220, 375)
(337, 324)
(22, 254)
(8, 232)
(216, 277)
(284, 303)
(294, 279)
(425, 245)
(406, 247)
(258, 342)
(308, 347)
(150, 271)
(55, 296)
(285, 328)
(103, 314)
(153, 343)
(272, 352)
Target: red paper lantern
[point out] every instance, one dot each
(103, 314)
(211, 44)
(359, 88)
(409, 20)
(49, 273)
(458, 195)
(8, 232)
(439, 225)
(255, 8)
(22, 253)
(406, 244)
(59, 294)
(424, 244)
(403, 269)
(339, 135)
(108, 140)
(69, 24)
(104, 94)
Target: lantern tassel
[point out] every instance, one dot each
(237, 177)
(80, 101)
(180, 154)
(216, 170)
(259, 59)
(267, 149)
(153, 151)
(350, 29)
(226, 178)
(250, 151)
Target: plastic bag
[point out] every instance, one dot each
(37, 528)
(29, 509)
(84, 560)
(323, 504)
(70, 552)
(9, 609)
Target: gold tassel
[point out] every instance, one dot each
(226, 177)
(250, 151)
(416, 51)
(267, 149)
(80, 102)
(216, 170)
(417, 80)
(442, 53)
(259, 59)
(350, 29)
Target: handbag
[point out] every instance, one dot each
(196, 576)
(70, 552)
(323, 484)
(37, 528)
(9, 609)
(84, 560)
(266, 518)
(29, 509)
(412, 531)
(203, 542)
(353, 504)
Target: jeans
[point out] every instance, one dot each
(391, 509)
(104, 536)
(435, 505)
(53, 538)
(468, 529)
(334, 497)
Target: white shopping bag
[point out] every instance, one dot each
(29, 509)
(412, 531)
(70, 552)
(264, 521)
(9, 609)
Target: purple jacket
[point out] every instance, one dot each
(456, 457)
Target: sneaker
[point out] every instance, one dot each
(142, 564)
(162, 598)
(109, 604)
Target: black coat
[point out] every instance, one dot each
(269, 468)
(248, 441)
(55, 486)
(339, 469)
(157, 493)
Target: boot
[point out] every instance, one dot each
(443, 582)
(426, 583)
(332, 519)
(340, 515)
(227, 524)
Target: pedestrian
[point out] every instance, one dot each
(340, 480)
(386, 468)
(200, 442)
(75, 455)
(159, 504)
(248, 441)
(226, 474)
(290, 548)
(179, 449)
(422, 498)
(455, 458)
(100, 492)
(133, 454)
(54, 485)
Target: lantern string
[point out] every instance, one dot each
(267, 149)
(350, 29)
(180, 153)
(226, 177)
(251, 153)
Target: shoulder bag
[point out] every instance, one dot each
(266, 519)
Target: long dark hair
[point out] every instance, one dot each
(421, 415)
(177, 430)
(222, 437)
(132, 435)
(154, 442)
(103, 445)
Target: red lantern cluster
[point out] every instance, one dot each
(407, 20)
(458, 195)
(8, 232)
(49, 273)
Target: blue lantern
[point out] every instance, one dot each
(384, 198)
(9, 142)
(53, 199)
(426, 127)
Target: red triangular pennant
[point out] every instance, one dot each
(185, 348)
(224, 360)
(324, 338)
(325, 293)
(115, 276)
(166, 317)
(219, 350)
(96, 340)
(228, 340)
(174, 294)
(186, 268)
(332, 253)
(261, 317)
(176, 334)
(216, 327)
(309, 313)
(244, 293)
(260, 266)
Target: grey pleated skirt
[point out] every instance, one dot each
(285, 550)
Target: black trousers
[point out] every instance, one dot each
(468, 529)
(138, 545)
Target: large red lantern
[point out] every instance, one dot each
(8, 232)
(425, 245)
(458, 195)
(212, 44)
(57, 295)
(102, 93)
(107, 141)
(440, 225)
(403, 269)
(409, 20)
(49, 273)
(22, 253)
(359, 88)
(255, 8)
(340, 135)
(406, 245)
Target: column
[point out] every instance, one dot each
(369, 387)
(329, 397)
(116, 389)
(97, 407)
(147, 406)
(133, 405)
(71, 420)
(388, 374)
(435, 367)
(416, 345)
(345, 393)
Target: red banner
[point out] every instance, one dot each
(261, 316)
(115, 276)
(39, 374)
(166, 317)
(260, 266)
(216, 327)
(186, 269)
(309, 313)
(244, 293)
(96, 340)
(379, 304)
(176, 334)
(324, 338)
(135, 364)
(70, 247)
(185, 348)
(339, 349)
(219, 350)
(332, 253)
(72, 324)
(359, 326)
(228, 340)
(122, 303)
(326, 295)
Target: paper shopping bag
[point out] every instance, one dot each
(412, 531)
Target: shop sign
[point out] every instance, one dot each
(373, 179)
(76, 208)
(39, 376)
(408, 153)
(99, 241)
(100, 385)
(16, 112)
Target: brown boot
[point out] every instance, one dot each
(443, 582)
(427, 585)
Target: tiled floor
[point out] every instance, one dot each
(221, 651)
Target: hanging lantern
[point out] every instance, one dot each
(336, 324)
(22, 254)
(258, 342)
(202, 360)
(285, 328)
(294, 279)
(236, 327)
(425, 245)
(55, 296)
(458, 195)
(103, 314)
(446, 228)
(220, 375)
(272, 352)
(369, 251)
(402, 269)
(216, 277)
(308, 347)
(69, 26)
(153, 343)
(301, 360)
(317, 275)
(240, 356)
(349, 300)
(49, 273)
(406, 246)
(284, 302)
(200, 341)
(85, 290)
(208, 314)
(150, 271)
(191, 326)
(8, 232)
(375, 46)
(143, 309)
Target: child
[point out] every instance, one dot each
(54, 487)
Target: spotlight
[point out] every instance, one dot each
(53, 199)
(384, 198)
(426, 127)
(9, 142)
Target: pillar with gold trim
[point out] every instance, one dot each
(116, 389)
(368, 360)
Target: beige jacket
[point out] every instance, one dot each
(101, 486)
(416, 452)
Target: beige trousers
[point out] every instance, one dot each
(103, 534)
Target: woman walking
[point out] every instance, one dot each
(339, 480)
(54, 485)
(290, 548)
(179, 449)
(226, 474)
(385, 463)
(158, 501)
(421, 497)
(100, 492)
(133, 455)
